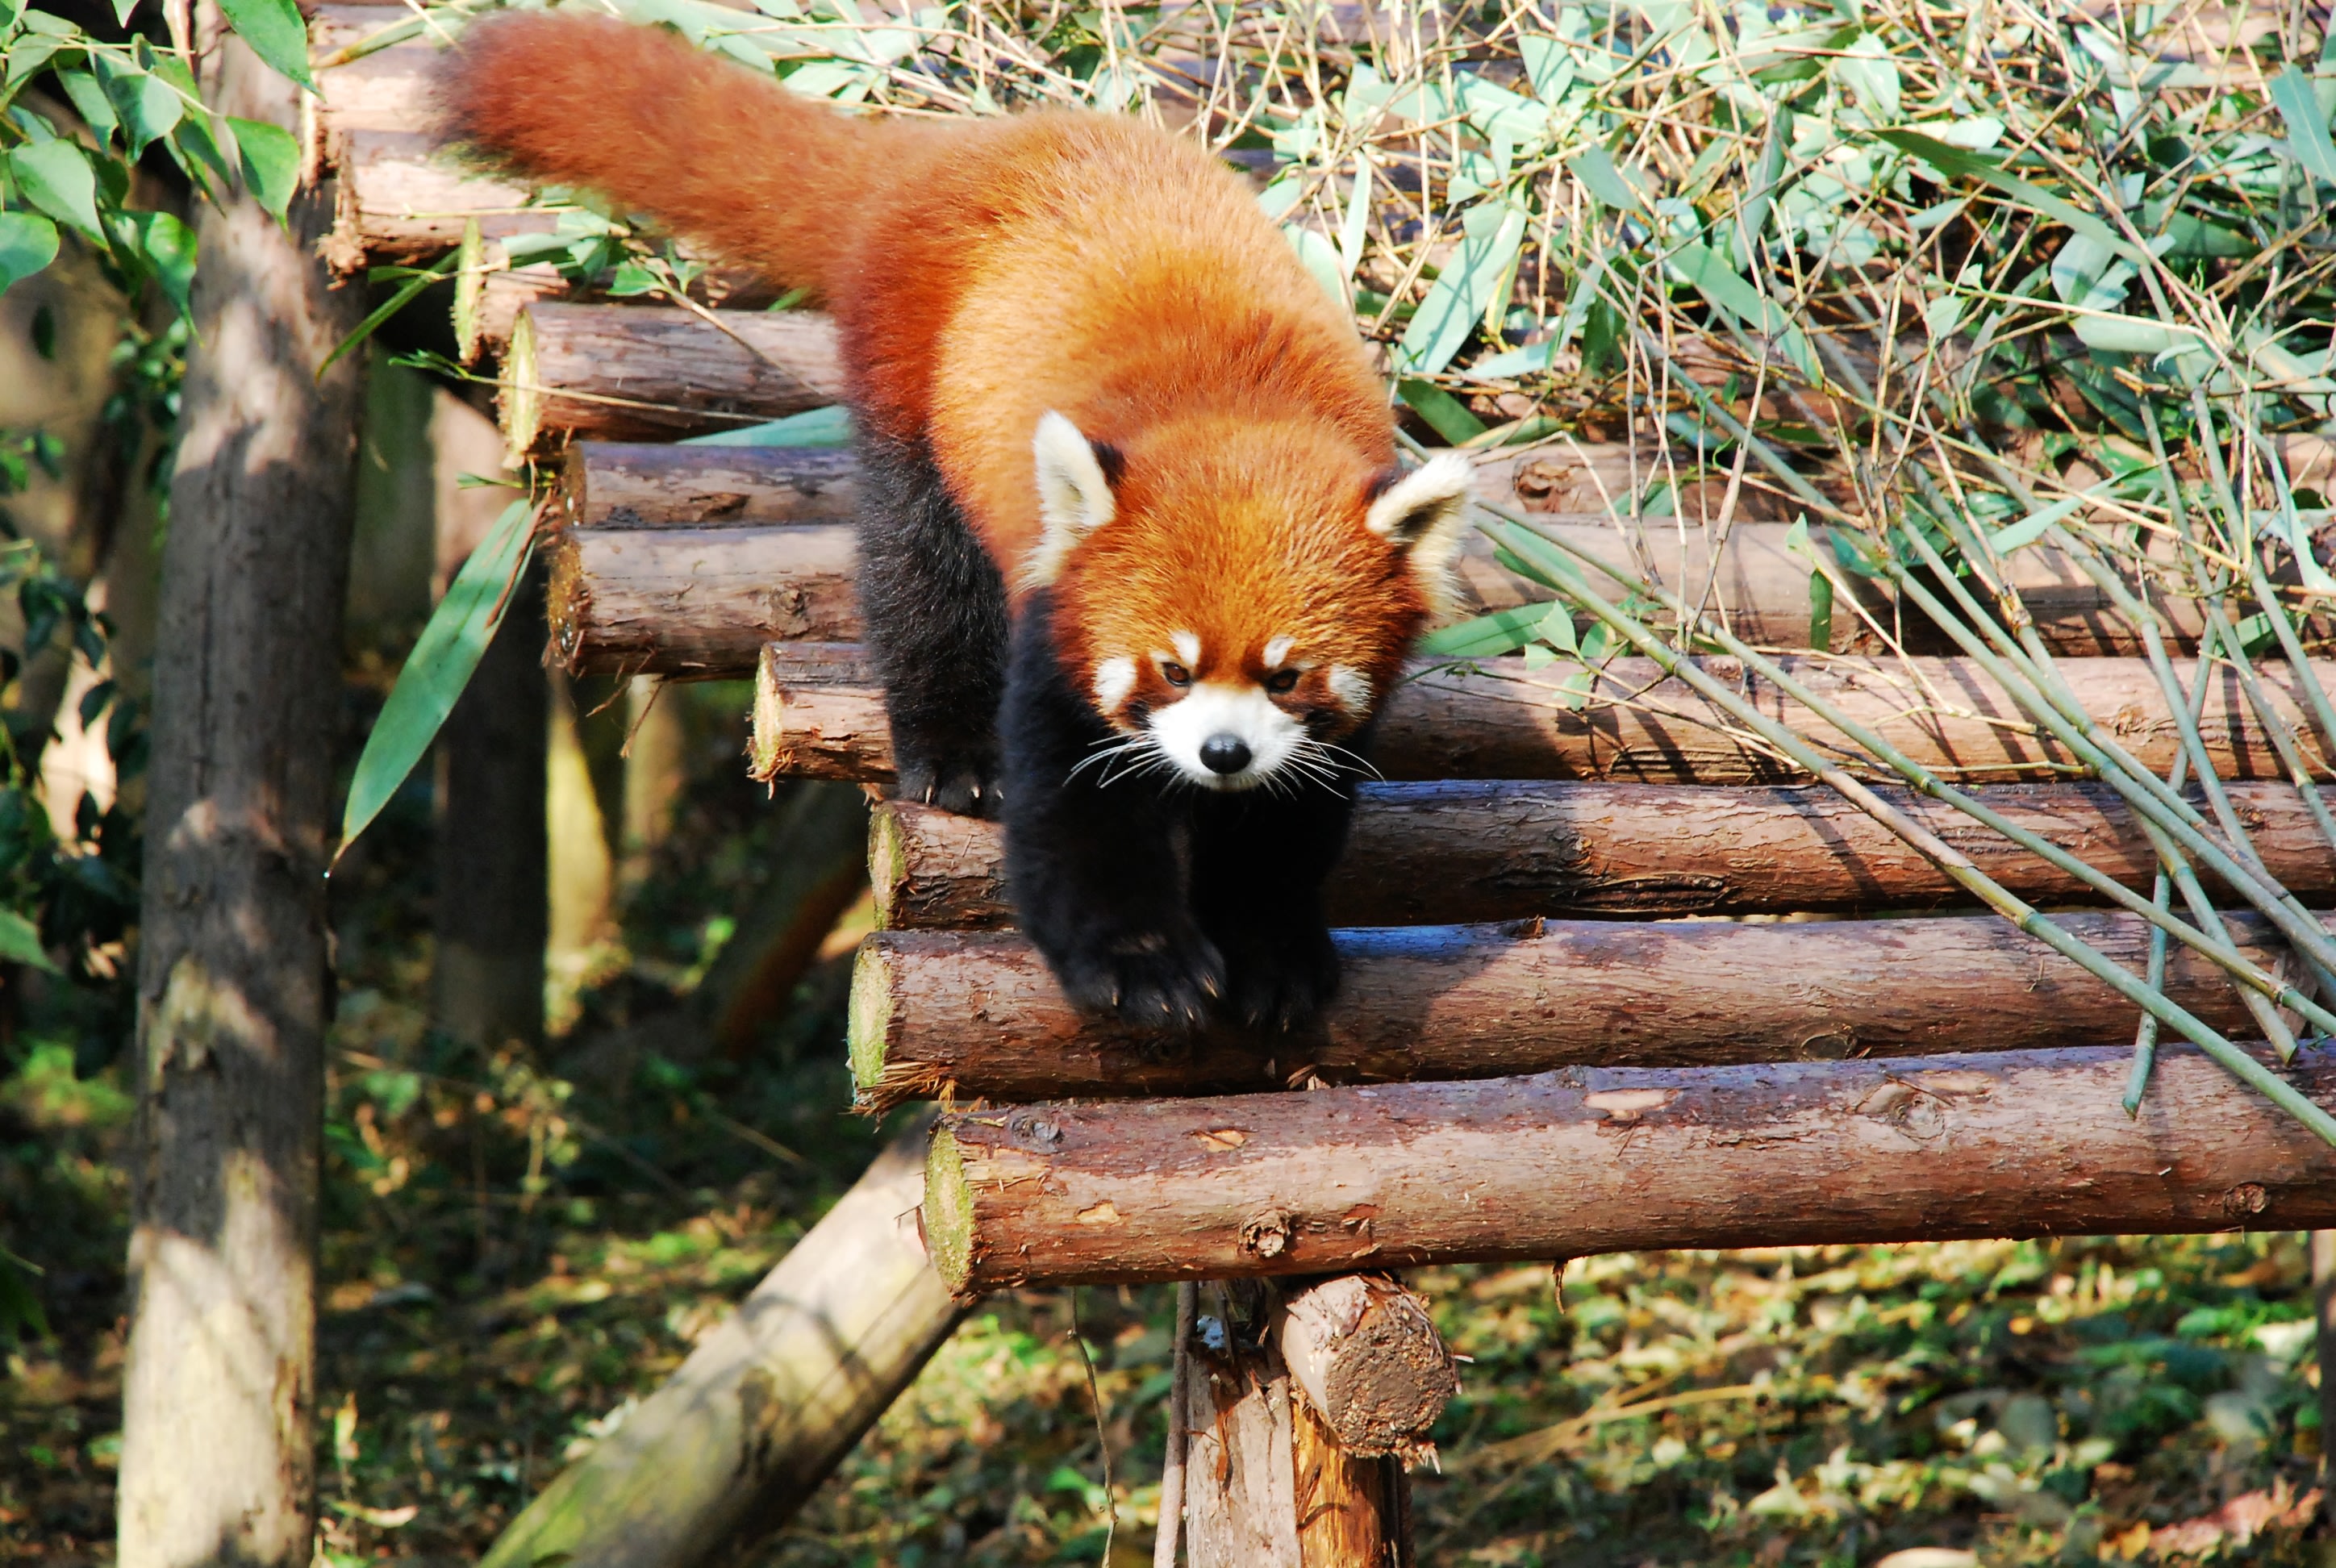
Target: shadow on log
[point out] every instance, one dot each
(765, 1405)
(1500, 850)
(818, 714)
(974, 1015)
(1621, 1159)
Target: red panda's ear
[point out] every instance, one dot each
(1421, 512)
(1076, 477)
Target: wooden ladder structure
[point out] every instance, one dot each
(1534, 1056)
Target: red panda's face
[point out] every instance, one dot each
(1243, 598)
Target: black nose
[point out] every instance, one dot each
(1224, 754)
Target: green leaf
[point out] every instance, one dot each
(1595, 170)
(439, 667)
(2035, 198)
(436, 272)
(28, 242)
(55, 177)
(271, 163)
(169, 247)
(20, 942)
(276, 33)
(2307, 125)
(1491, 233)
(88, 95)
(207, 162)
(1446, 414)
(2032, 527)
(1490, 636)
(829, 426)
(148, 105)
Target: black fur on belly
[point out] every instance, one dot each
(934, 604)
(1148, 896)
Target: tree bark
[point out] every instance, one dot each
(766, 1405)
(818, 713)
(1621, 1159)
(976, 1014)
(234, 986)
(1499, 849)
(616, 372)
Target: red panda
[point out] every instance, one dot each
(1137, 563)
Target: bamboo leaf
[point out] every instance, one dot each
(2307, 124)
(2032, 527)
(1491, 233)
(439, 667)
(829, 426)
(1490, 636)
(1956, 161)
(276, 33)
(436, 272)
(1446, 414)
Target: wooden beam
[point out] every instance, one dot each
(1498, 850)
(818, 713)
(1620, 1159)
(606, 484)
(974, 1015)
(689, 602)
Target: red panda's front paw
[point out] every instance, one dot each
(1281, 980)
(962, 790)
(1154, 980)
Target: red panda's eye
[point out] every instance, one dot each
(1176, 674)
(1281, 681)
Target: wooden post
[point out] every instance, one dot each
(1270, 1474)
(234, 988)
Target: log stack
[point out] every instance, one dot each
(1536, 1054)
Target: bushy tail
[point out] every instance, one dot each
(761, 175)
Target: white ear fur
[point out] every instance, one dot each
(1074, 495)
(1421, 513)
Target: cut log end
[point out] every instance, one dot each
(948, 1215)
(1367, 1353)
(878, 1082)
(521, 398)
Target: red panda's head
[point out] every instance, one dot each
(1236, 596)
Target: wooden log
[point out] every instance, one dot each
(609, 484)
(689, 602)
(744, 490)
(627, 372)
(818, 713)
(976, 1014)
(1589, 1160)
(1483, 849)
(1365, 1352)
(767, 1405)
(1268, 1483)
(397, 203)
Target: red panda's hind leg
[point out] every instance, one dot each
(934, 606)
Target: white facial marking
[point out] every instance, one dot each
(1188, 646)
(1238, 709)
(1277, 651)
(1351, 687)
(1113, 680)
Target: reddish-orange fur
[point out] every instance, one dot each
(986, 272)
